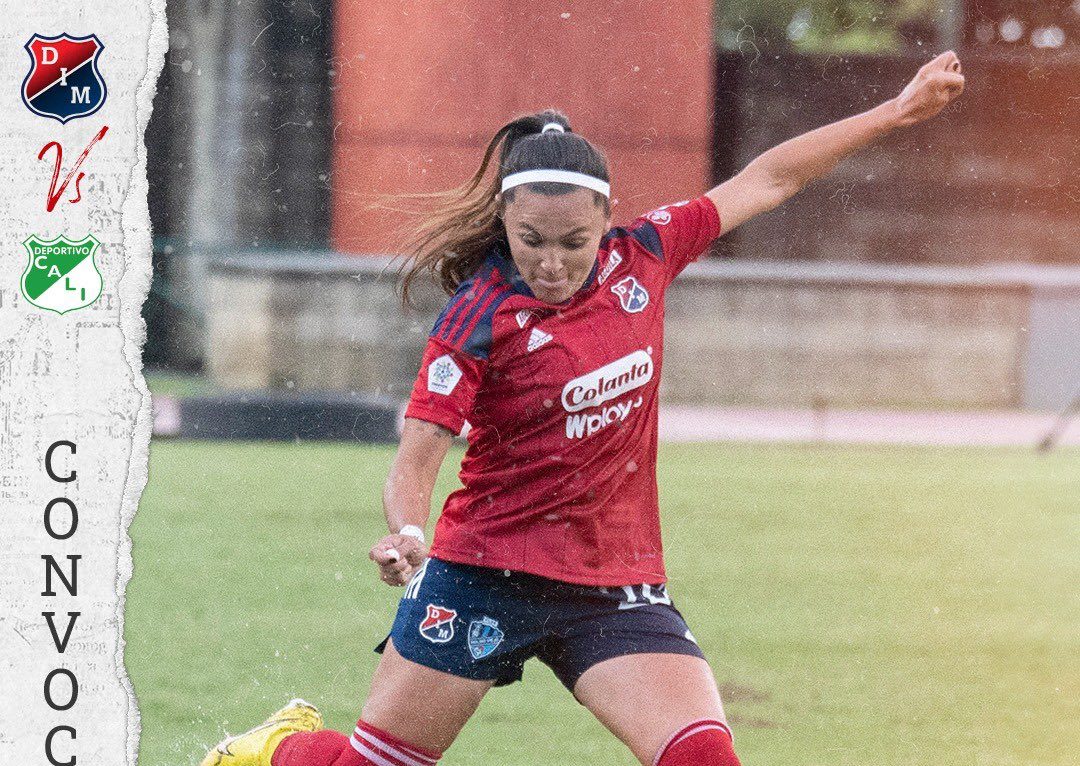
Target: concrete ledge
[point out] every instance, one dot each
(757, 334)
(292, 263)
(1003, 276)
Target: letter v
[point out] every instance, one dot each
(54, 193)
(61, 645)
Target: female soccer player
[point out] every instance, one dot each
(551, 348)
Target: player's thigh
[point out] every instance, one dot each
(645, 698)
(424, 707)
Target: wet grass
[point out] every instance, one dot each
(859, 605)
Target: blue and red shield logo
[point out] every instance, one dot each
(64, 82)
(484, 637)
(632, 295)
(438, 626)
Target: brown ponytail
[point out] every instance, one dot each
(460, 225)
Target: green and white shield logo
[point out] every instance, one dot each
(61, 275)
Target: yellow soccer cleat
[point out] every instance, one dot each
(255, 746)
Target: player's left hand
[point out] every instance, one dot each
(398, 557)
(932, 89)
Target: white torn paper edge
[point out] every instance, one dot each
(74, 377)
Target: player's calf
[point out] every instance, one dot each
(702, 743)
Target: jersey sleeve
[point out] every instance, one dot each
(457, 352)
(679, 233)
(446, 386)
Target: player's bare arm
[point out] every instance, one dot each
(407, 499)
(784, 170)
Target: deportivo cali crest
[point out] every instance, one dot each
(61, 275)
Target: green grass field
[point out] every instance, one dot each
(862, 606)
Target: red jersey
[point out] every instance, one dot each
(560, 472)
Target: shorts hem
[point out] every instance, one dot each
(570, 682)
(498, 680)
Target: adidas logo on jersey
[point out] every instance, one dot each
(537, 338)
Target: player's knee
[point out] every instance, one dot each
(702, 743)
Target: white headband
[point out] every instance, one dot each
(557, 176)
(553, 126)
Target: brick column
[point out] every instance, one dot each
(421, 87)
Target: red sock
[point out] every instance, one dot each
(703, 743)
(368, 746)
(316, 748)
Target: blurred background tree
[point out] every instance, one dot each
(895, 26)
(836, 26)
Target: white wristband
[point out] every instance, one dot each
(412, 530)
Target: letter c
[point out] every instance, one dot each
(48, 462)
(48, 746)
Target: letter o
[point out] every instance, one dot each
(48, 518)
(74, 689)
(48, 746)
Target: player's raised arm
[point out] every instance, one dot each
(407, 499)
(784, 170)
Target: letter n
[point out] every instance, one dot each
(71, 584)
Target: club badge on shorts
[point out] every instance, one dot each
(438, 626)
(484, 637)
(632, 295)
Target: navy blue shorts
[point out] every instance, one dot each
(482, 623)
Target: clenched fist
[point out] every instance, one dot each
(931, 90)
(398, 557)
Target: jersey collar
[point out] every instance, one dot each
(504, 262)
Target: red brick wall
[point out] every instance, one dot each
(421, 87)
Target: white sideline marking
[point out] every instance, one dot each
(976, 428)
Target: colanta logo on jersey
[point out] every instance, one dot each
(597, 388)
(609, 382)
